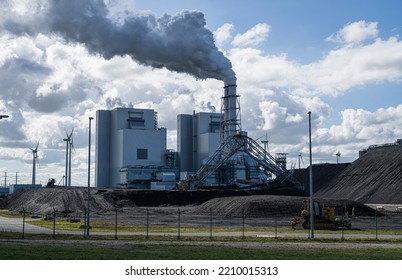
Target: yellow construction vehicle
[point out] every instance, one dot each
(324, 217)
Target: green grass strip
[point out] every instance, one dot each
(186, 252)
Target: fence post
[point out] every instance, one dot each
(54, 223)
(23, 222)
(243, 224)
(85, 223)
(210, 223)
(178, 224)
(147, 224)
(115, 225)
(376, 224)
(276, 226)
(343, 227)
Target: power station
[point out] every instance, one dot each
(212, 151)
(131, 150)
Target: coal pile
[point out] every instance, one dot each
(322, 174)
(270, 205)
(2, 202)
(72, 201)
(374, 178)
(63, 200)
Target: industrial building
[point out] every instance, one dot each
(212, 150)
(239, 161)
(131, 151)
(198, 137)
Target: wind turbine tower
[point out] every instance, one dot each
(66, 173)
(69, 145)
(266, 149)
(338, 157)
(34, 158)
(301, 159)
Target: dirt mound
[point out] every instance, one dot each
(64, 200)
(376, 177)
(322, 174)
(268, 205)
(72, 201)
(2, 202)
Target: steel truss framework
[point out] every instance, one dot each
(244, 144)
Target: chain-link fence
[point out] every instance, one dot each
(179, 222)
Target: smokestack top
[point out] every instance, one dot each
(228, 82)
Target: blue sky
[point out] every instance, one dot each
(342, 60)
(299, 29)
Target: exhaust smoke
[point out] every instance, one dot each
(179, 43)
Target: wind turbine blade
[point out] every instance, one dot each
(72, 143)
(301, 158)
(259, 138)
(72, 139)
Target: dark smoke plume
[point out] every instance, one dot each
(179, 43)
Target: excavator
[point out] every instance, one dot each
(324, 217)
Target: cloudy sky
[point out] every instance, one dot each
(59, 63)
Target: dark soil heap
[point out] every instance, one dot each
(270, 205)
(72, 201)
(323, 173)
(376, 177)
(63, 200)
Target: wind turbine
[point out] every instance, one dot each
(34, 158)
(338, 157)
(69, 146)
(265, 142)
(300, 159)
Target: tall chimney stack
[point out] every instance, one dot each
(231, 111)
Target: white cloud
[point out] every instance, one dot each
(335, 73)
(348, 67)
(252, 37)
(253, 66)
(223, 34)
(355, 33)
(358, 130)
(364, 126)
